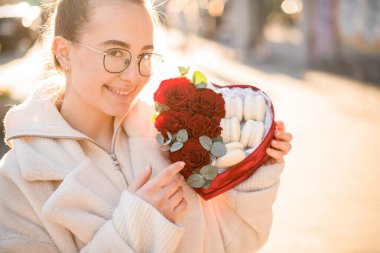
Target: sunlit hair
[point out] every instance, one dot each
(67, 18)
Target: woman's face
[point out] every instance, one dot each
(116, 24)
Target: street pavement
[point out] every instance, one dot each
(329, 198)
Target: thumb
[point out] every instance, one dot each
(141, 179)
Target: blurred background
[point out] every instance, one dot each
(319, 61)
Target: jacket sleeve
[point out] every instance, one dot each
(20, 228)
(154, 234)
(245, 212)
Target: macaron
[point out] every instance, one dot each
(231, 158)
(234, 107)
(231, 129)
(234, 145)
(252, 133)
(254, 107)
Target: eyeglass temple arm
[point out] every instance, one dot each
(93, 49)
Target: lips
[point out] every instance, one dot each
(121, 91)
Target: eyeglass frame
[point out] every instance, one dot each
(139, 57)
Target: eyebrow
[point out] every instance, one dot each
(124, 44)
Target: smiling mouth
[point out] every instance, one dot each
(122, 92)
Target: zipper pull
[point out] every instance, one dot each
(116, 162)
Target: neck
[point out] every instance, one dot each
(89, 121)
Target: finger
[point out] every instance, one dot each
(280, 125)
(168, 173)
(180, 208)
(283, 136)
(142, 179)
(275, 154)
(283, 146)
(174, 185)
(175, 199)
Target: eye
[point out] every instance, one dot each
(115, 52)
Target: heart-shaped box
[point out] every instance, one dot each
(244, 169)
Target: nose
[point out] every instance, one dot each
(131, 73)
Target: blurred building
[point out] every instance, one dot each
(341, 36)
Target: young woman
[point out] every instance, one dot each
(84, 172)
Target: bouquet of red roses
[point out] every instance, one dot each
(188, 117)
(220, 132)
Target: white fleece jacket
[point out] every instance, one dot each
(61, 192)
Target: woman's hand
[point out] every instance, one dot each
(280, 145)
(163, 191)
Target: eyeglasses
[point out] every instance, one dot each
(116, 60)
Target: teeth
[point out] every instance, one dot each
(124, 93)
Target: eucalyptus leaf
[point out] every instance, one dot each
(182, 136)
(209, 172)
(160, 139)
(165, 148)
(207, 184)
(196, 181)
(170, 138)
(176, 146)
(218, 149)
(199, 78)
(218, 139)
(206, 142)
(160, 107)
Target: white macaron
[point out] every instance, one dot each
(254, 107)
(234, 107)
(252, 133)
(231, 129)
(231, 158)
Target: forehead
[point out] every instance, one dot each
(119, 20)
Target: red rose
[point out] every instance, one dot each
(199, 125)
(171, 121)
(208, 103)
(175, 93)
(193, 154)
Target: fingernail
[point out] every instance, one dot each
(147, 168)
(274, 142)
(182, 164)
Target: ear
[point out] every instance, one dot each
(61, 50)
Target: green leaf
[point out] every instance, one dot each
(182, 136)
(183, 70)
(218, 139)
(209, 172)
(170, 138)
(160, 107)
(207, 184)
(218, 149)
(199, 78)
(206, 142)
(196, 181)
(176, 146)
(160, 139)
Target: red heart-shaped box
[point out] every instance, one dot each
(244, 169)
